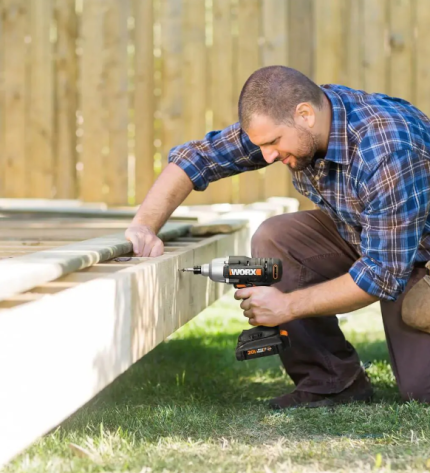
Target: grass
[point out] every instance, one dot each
(188, 406)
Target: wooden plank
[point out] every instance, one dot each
(218, 226)
(277, 177)
(95, 137)
(354, 43)
(171, 101)
(194, 65)
(375, 45)
(116, 99)
(14, 37)
(65, 99)
(222, 88)
(115, 320)
(329, 47)
(144, 100)
(422, 45)
(401, 62)
(248, 61)
(39, 134)
(22, 273)
(301, 32)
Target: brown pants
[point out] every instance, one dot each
(320, 360)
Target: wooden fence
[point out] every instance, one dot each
(94, 93)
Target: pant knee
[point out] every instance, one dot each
(272, 236)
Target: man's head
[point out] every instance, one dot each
(286, 114)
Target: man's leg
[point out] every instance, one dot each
(408, 348)
(319, 360)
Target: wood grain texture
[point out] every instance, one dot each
(39, 134)
(422, 98)
(13, 159)
(144, 99)
(66, 96)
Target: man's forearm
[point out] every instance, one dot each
(337, 296)
(168, 192)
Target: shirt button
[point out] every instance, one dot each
(306, 192)
(317, 178)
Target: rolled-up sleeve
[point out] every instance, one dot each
(220, 154)
(397, 205)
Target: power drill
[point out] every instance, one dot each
(242, 271)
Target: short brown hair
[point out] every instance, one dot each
(276, 91)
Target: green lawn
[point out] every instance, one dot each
(188, 406)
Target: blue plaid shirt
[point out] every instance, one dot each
(374, 181)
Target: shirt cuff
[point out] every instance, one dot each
(376, 280)
(186, 163)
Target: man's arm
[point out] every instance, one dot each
(168, 192)
(269, 306)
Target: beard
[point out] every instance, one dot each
(307, 150)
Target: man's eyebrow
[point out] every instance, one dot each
(269, 142)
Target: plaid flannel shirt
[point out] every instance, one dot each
(374, 181)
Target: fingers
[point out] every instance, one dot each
(145, 242)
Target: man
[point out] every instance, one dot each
(364, 160)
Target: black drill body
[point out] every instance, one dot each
(242, 271)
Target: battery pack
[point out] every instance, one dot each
(261, 341)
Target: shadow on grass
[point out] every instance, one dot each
(195, 388)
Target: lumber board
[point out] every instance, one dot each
(144, 100)
(25, 272)
(218, 226)
(39, 126)
(115, 320)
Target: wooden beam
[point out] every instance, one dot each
(25, 272)
(114, 320)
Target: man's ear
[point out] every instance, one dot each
(305, 115)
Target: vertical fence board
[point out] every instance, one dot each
(116, 100)
(301, 56)
(248, 61)
(65, 100)
(144, 100)
(277, 177)
(171, 102)
(223, 102)
(330, 54)
(94, 139)
(354, 44)
(401, 63)
(375, 45)
(40, 111)
(423, 56)
(194, 77)
(15, 18)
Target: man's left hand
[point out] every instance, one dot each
(264, 305)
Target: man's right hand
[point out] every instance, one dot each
(145, 241)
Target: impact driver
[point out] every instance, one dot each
(242, 271)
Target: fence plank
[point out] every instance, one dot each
(194, 89)
(144, 100)
(329, 50)
(422, 57)
(116, 100)
(353, 39)
(14, 169)
(401, 65)
(375, 45)
(223, 103)
(301, 56)
(248, 60)
(94, 139)
(40, 112)
(171, 102)
(277, 177)
(65, 100)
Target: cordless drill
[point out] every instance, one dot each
(242, 271)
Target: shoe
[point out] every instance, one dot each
(360, 390)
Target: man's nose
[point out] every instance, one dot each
(269, 155)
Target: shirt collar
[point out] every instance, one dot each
(337, 150)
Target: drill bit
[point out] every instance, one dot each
(187, 269)
(195, 270)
